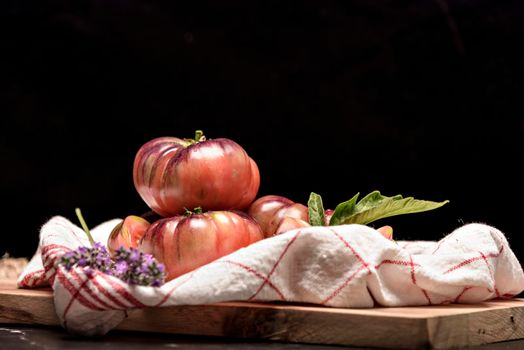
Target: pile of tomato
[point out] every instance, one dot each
(203, 193)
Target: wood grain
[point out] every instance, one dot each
(26, 306)
(434, 327)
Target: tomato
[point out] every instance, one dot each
(183, 243)
(386, 231)
(277, 214)
(269, 211)
(127, 233)
(328, 213)
(289, 223)
(172, 174)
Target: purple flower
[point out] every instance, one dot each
(130, 265)
(121, 268)
(135, 255)
(144, 268)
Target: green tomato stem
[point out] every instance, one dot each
(197, 210)
(199, 136)
(84, 226)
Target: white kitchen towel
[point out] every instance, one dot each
(351, 266)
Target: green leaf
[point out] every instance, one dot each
(344, 211)
(315, 210)
(375, 206)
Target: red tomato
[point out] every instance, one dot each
(184, 243)
(277, 214)
(171, 174)
(328, 213)
(269, 211)
(289, 223)
(127, 233)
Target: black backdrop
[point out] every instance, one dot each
(421, 98)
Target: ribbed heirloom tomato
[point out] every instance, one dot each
(277, 214)
(185, 242)
(172, 174)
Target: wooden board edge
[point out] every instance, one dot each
(278, 324)
(36, 309)
(477, 328)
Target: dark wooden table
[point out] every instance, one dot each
(14, 337)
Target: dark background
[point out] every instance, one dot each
(421, 98)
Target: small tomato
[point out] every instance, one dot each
(127, 233)
(289, 223)
(277, 214)
(270, 210)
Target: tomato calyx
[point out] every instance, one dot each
(199, 137)
(197, 211)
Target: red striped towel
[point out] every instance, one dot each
(351, 266)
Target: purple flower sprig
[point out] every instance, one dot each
(96, 257)
(136, 267)
(128, 264)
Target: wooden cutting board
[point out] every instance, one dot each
(434, 327)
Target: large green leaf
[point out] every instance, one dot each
(344, 211)
(375, 206)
